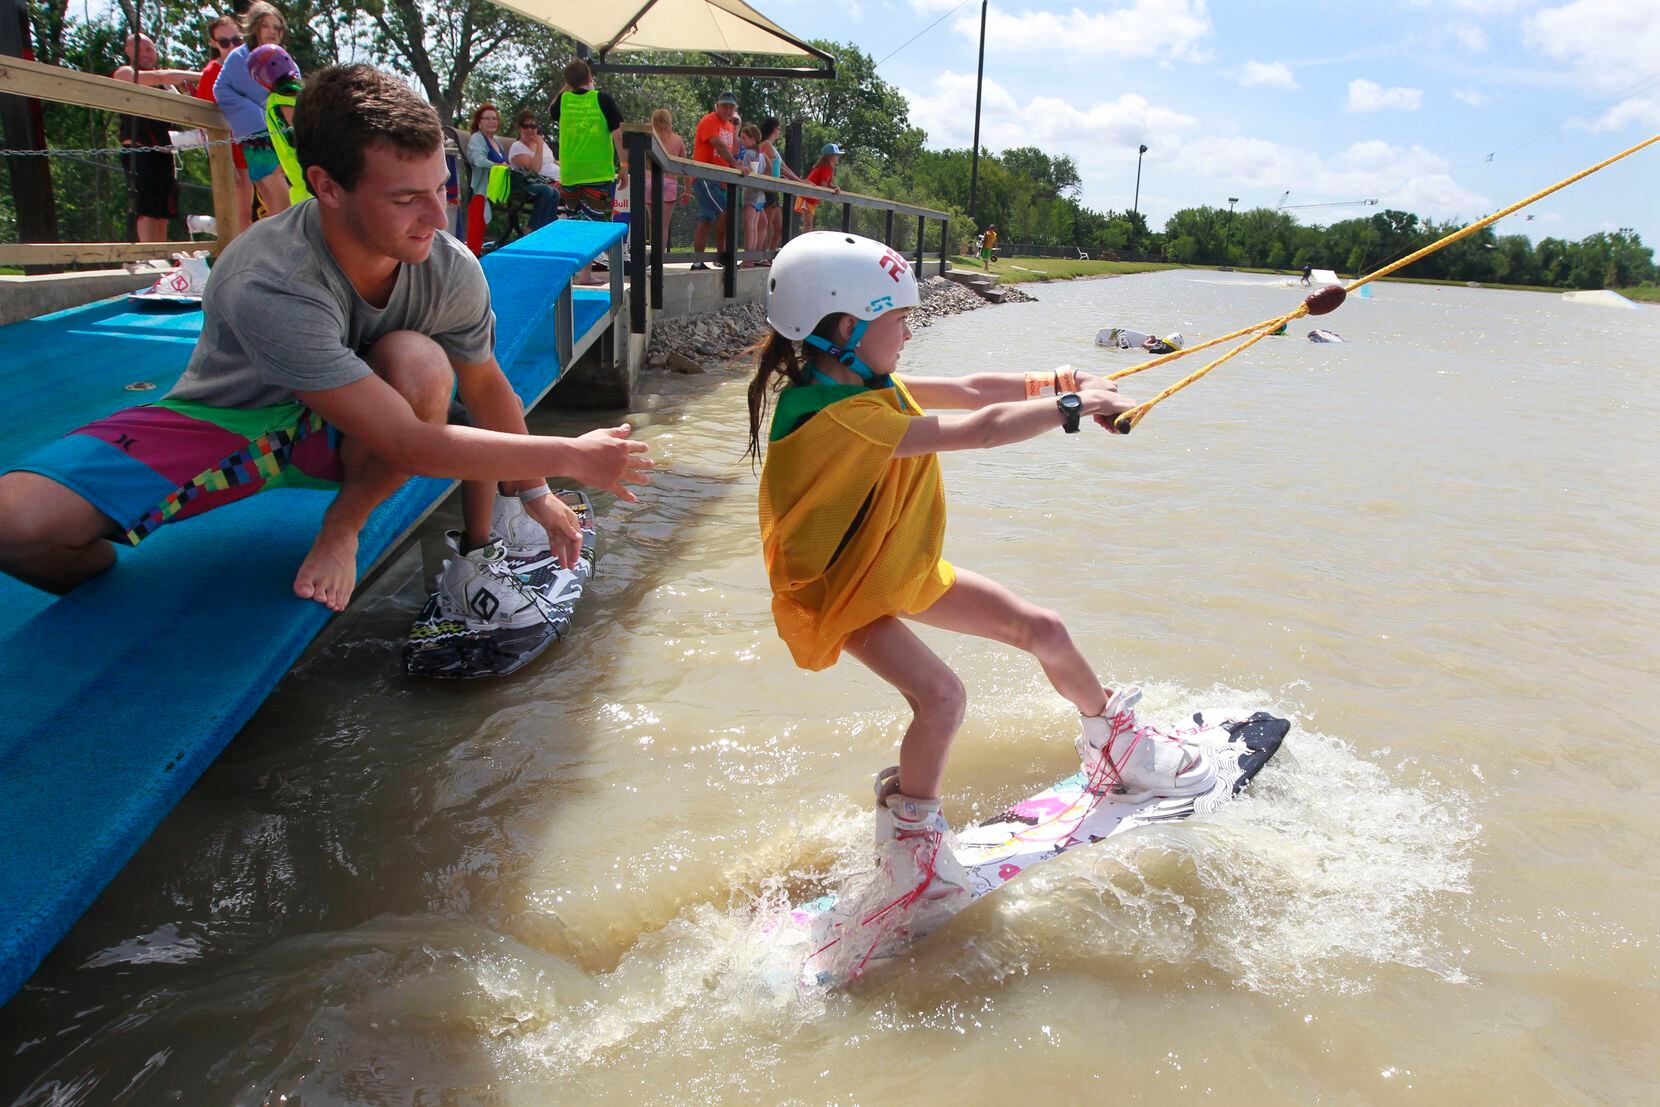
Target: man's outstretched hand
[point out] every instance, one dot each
(612, 461)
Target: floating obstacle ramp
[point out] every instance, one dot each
(117, 696)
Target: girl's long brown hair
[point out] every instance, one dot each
(778, 362)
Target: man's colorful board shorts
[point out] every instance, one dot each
(174, 459)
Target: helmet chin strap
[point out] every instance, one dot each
(846, 357)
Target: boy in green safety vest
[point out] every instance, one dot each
(591, 160)
(274, 69)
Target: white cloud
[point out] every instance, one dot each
(1162, 30)
(1643, 111)
(1273, 74)
(1409, 178)
(1061, 126)
(1470, 36)
(1606, 42)
(1367, 96)
(1471, 96)
(1611, 40)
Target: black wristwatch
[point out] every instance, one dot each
(1071, 408)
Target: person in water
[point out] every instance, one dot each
(852, 514)
(333, 337)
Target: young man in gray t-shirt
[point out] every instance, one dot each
(333, 338)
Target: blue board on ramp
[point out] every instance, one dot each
(117, 696)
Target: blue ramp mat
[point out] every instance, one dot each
(119, 695)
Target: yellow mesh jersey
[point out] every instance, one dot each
(813, 483)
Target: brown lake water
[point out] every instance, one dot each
(1436, 547)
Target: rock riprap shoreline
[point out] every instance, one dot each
(686, 344)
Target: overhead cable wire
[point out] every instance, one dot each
(924, 31)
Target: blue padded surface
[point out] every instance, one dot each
(117, 696)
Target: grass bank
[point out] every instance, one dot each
(1016, 270)
(1021, 270)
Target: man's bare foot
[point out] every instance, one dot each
(329, 571)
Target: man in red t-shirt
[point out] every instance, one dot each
(714, 143)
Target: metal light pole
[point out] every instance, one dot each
(1227, 236)
(979, 79)
(1136, 205)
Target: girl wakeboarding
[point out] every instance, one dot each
(852, 513)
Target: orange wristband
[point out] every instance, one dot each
(1065, 380)
(1036, 383)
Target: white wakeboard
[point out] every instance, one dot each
(1122, 338)
(838, 947)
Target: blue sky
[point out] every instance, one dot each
(1401, 100)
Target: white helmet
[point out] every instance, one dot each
(825, 272)
(828, 272)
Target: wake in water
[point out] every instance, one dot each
(1322, 874)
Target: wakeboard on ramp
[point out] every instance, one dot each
(839, 946)
(445, 647)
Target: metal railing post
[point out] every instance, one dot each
(921, 233)
(660, 240)
(887, 235)
(729, 248)
(640, 228)
(847, 217)
(945, 239)
(793, 158)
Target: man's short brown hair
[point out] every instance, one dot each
(345, 108)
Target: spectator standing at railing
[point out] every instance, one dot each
(674, 190)
(823, 174)
(773, 213)
(531, 154)
(988, 246)
(484, 149)
(152, 189)
(590, 145)
(224, 36)
(242, 99)
(714, 143)
(754, 199)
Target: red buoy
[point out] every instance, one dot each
(1326, 300)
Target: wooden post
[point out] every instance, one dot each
(227, 219)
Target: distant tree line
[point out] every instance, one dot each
(460, 53)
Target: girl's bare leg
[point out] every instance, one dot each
(980, 606)
(892, 651)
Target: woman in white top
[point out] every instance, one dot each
(531, 154)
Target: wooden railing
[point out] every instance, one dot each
(647, 252)
(68, 86)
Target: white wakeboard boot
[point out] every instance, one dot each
(525, 539)
(920, 882)
(1128, 761)
(482, 590)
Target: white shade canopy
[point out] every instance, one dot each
(707, 26)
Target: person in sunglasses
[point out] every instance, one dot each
(223, 37)
(531, 155)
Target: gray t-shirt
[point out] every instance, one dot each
(279, 316)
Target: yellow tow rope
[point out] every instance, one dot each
(1329, 298)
